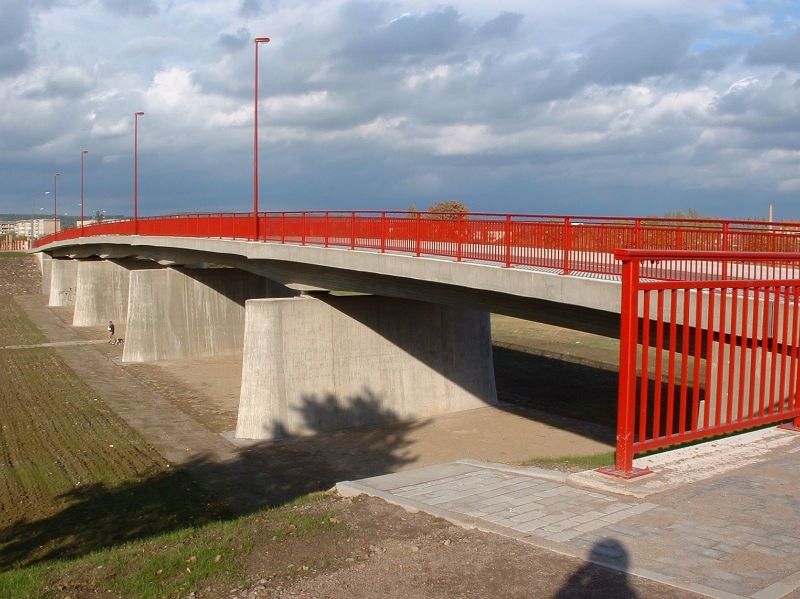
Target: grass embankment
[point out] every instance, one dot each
(277, 544)
(74, 478)
(88, 508)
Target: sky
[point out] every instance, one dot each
(603, 107)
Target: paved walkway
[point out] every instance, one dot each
(720, 519)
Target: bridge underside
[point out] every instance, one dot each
(580, 303)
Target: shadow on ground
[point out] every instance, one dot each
(263, 474)
(582, 391)
(601, 581)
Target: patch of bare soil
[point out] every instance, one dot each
(21, 276)
(389, 553)
(207, 390)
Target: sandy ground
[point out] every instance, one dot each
(208, 390)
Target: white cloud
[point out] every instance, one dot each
(462, 98)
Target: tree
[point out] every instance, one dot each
(448, 209)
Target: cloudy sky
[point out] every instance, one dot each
(608, 107)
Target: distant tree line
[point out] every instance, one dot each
(445, 210)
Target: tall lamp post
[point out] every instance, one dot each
(33, 215)
(55, 203)
(136, 116)
(83, 153)
(258, 40)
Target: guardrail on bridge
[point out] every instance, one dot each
(706, 356)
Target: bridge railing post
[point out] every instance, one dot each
(352, 230)
(725, 245)
(303, 229)
(567, 242)
(459, 235)
(507, 238)
(327, 228)
(628, 345)
(419, 233)
(283, 227)
(383, 232)
(629, 320)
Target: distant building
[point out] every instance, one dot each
(30, 229)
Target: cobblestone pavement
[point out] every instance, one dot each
(730, 531)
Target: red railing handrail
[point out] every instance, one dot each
(566, 244)
(734, 325)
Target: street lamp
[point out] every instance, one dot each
(33, 215)
(83, 153)
(258, 40)
(136, 116)
(55, 203)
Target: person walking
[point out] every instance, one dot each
(111, 337)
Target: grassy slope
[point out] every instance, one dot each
(74, 478)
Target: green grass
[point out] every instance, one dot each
(15, 326)
(174, 564)
(572, 463)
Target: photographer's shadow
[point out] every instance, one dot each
(605, 576)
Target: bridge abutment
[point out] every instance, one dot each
(324, 363)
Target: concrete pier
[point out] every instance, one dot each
(326, 363)
(102, 290)
(46, 266)
(63, 282)
(186, 313)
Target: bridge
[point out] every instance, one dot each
(384, 316)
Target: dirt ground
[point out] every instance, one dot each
(390, 552)
(387, 552)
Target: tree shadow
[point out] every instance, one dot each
(204, 489)
(369, 440)
(606, 574)
(99, 516)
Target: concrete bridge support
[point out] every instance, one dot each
(46, 267)
(325, 363)
(63, 282)
(178, 313)
(102, 290)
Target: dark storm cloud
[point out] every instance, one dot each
(632, 51)
(233, 42)
(777, 50)
(135, 8)
(69, 83)
(504, 25)
(15, 27)
(250, 8)
(409, 37)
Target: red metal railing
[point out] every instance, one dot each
(564, 244)
(709, 322)
(711, 354)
